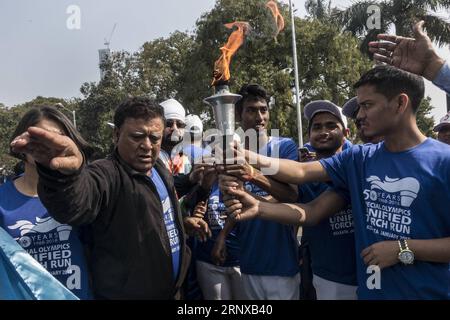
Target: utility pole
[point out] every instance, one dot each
(74, 119)
(297, 84)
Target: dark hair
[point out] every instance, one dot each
(390, 82)
(136, 108)
(37, 114)
(251, 92)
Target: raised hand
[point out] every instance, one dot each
(415, 55)
(196, 225)
(241, 205)
(53, 150)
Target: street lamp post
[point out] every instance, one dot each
(297, 84)
(74, 119)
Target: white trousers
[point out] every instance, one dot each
(329, 290)
(220, 283)
(271, 287)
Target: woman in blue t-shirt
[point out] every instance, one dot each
(56, 246)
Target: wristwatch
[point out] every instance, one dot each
(406, 256)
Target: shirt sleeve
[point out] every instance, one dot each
(337, 168)
(288, 150)
(443, 78)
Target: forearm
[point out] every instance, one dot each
(228, 227)
(282, 192)
(434, 250)
(290, 214)
(288, 171)
(433, 67)
(309, 214)
(74, 199)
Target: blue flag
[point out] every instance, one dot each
(23, 278)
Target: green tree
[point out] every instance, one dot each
(153, 71)
(319, 9)
(161, 63)
(329, 61)
(425, 121)
(402, 14)
(9, 118)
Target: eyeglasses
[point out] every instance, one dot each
(180, 124)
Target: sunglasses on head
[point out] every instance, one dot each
(179, 123)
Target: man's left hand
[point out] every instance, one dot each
(383, 254)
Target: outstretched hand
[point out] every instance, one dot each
(52, 150)
(240, 204)
(415, 55)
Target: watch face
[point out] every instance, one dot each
(406, 256)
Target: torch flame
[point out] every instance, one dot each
(236, 39)
(279, 20)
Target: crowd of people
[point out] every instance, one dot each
(163, 218)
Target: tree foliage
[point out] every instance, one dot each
(181, 66)
(399, 13)
(9, 118)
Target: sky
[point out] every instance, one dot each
(41, 54)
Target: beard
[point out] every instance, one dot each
(171, 140)
(327, 149)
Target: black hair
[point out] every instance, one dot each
(390, 82)
(251, 92)
(36, 114)
(136, 108)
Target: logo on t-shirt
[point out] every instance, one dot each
(407, 188)
(387, 205)
(40, 229)
(215, 211)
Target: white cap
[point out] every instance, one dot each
(445, 121)
(173, 110)
(194, 124)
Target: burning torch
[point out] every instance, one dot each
(223, 101)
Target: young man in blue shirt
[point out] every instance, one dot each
(268, 250)
(331, 243)
(399, 191)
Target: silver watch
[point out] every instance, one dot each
(406, 256)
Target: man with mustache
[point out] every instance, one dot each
(171, 150)
(402, 235)
(350, 110)
(127, 201)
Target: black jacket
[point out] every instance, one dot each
(130, 251)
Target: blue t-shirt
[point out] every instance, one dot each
(194, 153)
(169, 220)
(55, 246)
(403, 195)
(442, 79)
(332, 241)
(269, 248)
(216, 208)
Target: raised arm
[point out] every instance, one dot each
(288, 171)
(71, 193)
(416, 55)
(280, 191)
